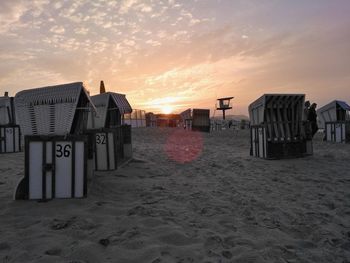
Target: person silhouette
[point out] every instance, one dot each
(312, 118)
(306, 109)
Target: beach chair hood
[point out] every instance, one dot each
(105, 102)
(53, 110)
(336, 110)
(257, 109)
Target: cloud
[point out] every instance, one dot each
(10, 13)
(57, 29)
(126, 5)
(190, 50)
(81, 30)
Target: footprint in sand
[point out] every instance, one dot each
(53, 252)
(4, 246)
(213, 242)
(59, 224)
(152, 222)
(177, 239)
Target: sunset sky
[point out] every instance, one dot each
(179, 54)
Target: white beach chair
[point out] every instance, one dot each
(53, 120)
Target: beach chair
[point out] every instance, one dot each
(201, 120)
(10, 135)
(277, 129)
(186, 118)
(54, 122)
(108, 131)
(334, 118)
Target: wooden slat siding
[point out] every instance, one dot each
(296, 117)
(284, 120)
(267, 118)
(43, 172)
(53, 173)
(280, 118)
(273, 112)
(293, 117)
(296, 120)
(300, 115)
(270, 114)
(287, 118)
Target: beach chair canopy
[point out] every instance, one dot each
(271, 108)
(186, 115)
(53, 110)
(7, 111)
(336, 110)
(110, 108)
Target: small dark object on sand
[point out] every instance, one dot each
(104, 242)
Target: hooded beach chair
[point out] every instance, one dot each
(112, 138)
(334, 118)
(10, 136)
(53, 120)
(277, 129)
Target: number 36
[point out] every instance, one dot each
(63, 150)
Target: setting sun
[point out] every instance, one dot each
(167, 109)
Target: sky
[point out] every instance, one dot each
(179, 54)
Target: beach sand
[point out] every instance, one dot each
(188, 197)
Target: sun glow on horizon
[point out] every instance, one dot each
(167, 109)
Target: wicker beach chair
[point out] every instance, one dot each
(277, 129)
(53, 120)
(334, 119)
(106, 130)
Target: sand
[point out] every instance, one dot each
(214, 204)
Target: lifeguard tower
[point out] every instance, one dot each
(224, 104)
(53, 120)
(10, 136)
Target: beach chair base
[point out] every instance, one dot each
(338, 132)
(263, 148)
(55, 167)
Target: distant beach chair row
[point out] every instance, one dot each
(68, 135)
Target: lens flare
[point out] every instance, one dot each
(184, 146)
